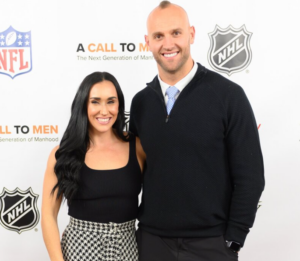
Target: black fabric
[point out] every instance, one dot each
(204, 172)
(108, 195)
(156, 248)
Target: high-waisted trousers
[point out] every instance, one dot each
(92, 241)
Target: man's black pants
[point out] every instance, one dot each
(156, 248)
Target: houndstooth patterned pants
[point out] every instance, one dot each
(92, 241)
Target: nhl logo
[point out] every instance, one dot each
(229, 50)
(18, 210)
(15, 52)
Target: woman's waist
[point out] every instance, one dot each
(102, 228)
(104, 211)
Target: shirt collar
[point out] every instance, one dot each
(182, 83)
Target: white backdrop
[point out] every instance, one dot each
(43, 96)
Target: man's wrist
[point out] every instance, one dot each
(233, 246)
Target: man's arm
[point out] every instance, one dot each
(132, 121)
(245, 164)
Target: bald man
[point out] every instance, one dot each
(204, 171)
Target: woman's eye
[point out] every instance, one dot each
(94, 102)
(111, 102)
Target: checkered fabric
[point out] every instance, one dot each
(92, 241)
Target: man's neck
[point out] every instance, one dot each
(173, 78)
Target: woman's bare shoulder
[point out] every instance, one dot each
(52, 159)
(140, 152)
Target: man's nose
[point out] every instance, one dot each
(168, 43)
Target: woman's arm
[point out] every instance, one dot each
(50, 208)
(141, 156)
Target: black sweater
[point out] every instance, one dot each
(204, 171)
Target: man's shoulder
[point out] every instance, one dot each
(219, 80)
(220, 84)
(142, 94)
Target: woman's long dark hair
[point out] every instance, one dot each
(76, 141)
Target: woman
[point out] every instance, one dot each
(97, 169)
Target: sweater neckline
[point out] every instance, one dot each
(156, 85)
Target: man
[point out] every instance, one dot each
(204, 172)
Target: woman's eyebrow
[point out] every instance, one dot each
(109, 98)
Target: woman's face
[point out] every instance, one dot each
(102, 106)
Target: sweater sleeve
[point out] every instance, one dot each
(245, 165)
(132, 122)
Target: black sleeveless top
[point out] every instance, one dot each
(108, 195)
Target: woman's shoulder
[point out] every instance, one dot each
(52, 157)
(129, 136)
(140, 153)
(53, 151)
(139, 144)
(139, 147)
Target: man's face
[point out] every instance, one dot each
(169, 38)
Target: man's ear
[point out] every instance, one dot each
(147, 40)
(192, 34)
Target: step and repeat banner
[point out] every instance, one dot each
(48, 47)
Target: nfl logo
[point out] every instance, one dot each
(229, 49)
(15, 52)
(18, 210)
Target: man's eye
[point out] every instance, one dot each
(158, 36)
(176, 33)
